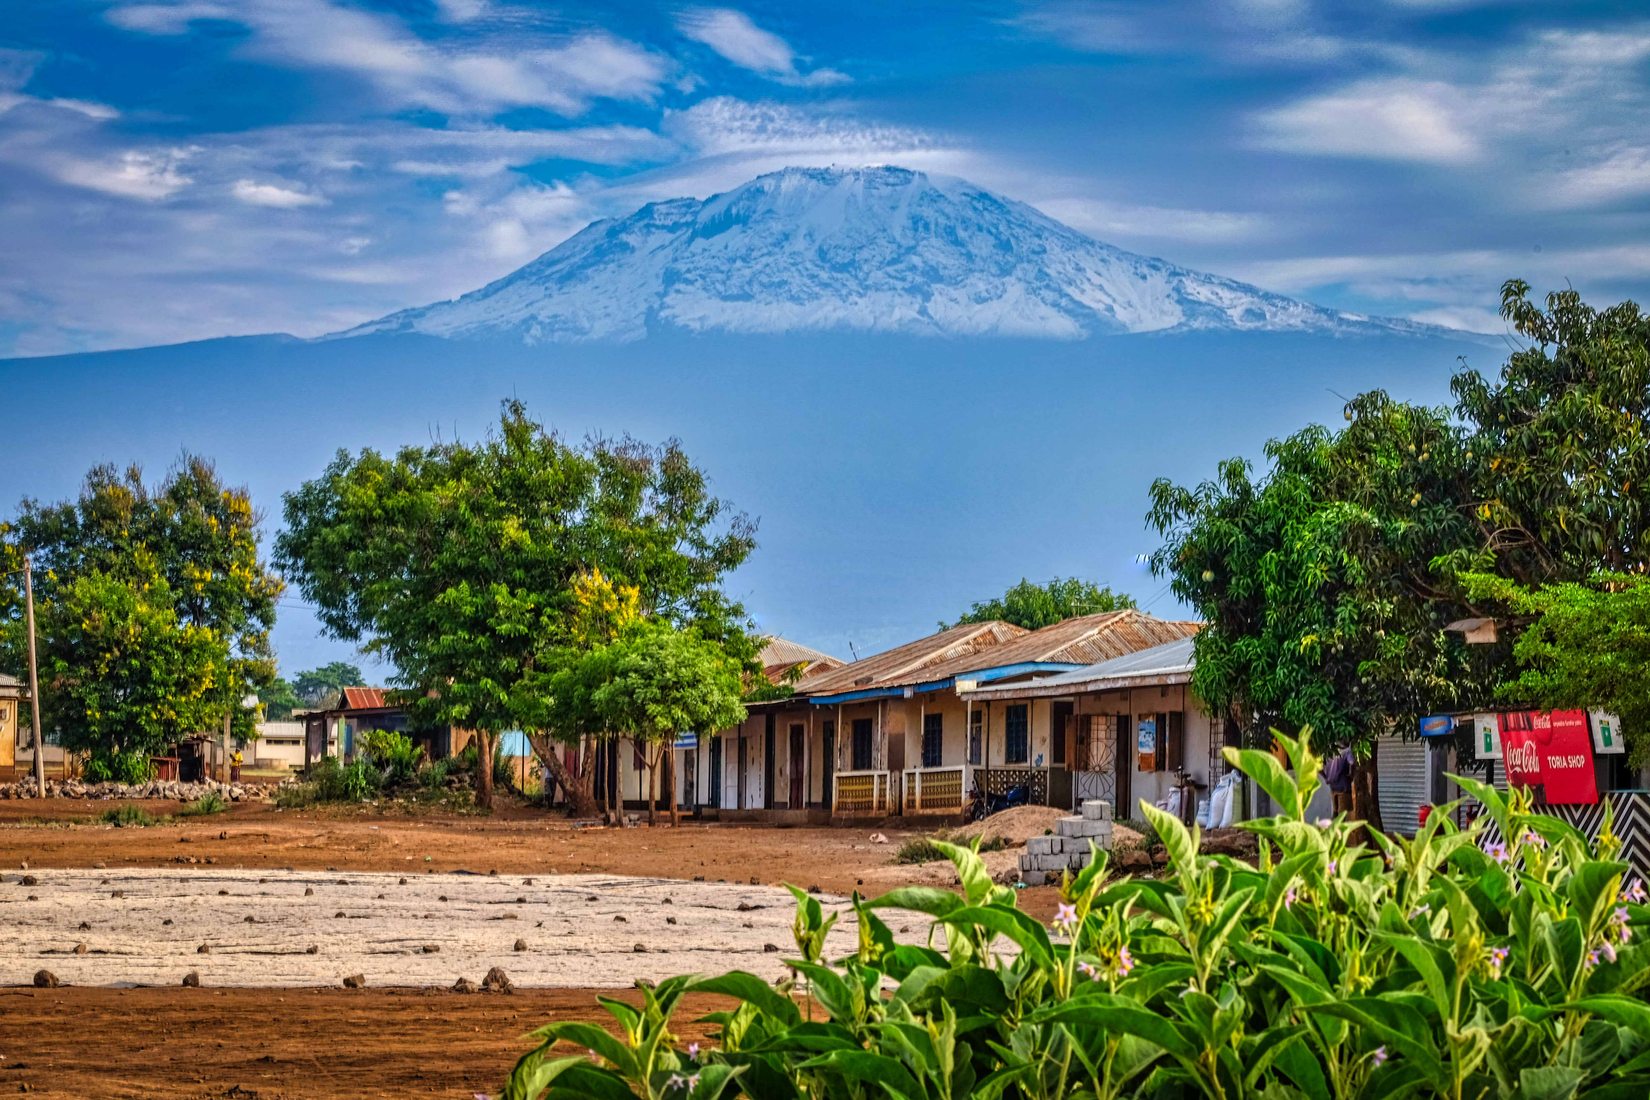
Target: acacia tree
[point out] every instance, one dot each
(655, 681)
(1034, 606)
(154, 611)
(457, 562)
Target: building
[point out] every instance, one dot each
(894, 733)
(1126, 729)
(280, 744)
(12, 699)
(332, 731)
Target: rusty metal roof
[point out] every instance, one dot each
(1169, 663)
(977, 647)
(364, 698)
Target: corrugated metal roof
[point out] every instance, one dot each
(957, 652)
(783, 651)
(364, 698)
(1167, 663)
(907, 664)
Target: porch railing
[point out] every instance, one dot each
(866, 793)
(934, 790)
(999, 779)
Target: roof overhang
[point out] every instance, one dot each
(978, 676)
(1041, 690)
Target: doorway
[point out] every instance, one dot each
(767, 763)
(798, 765)
(826, 792)
(716, 773)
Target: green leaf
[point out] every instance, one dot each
(1266, 771)
(754, 991)
(1030, 936)
(875, 1070)
(919, 899)
(1549, 1082)
(1121, 1017)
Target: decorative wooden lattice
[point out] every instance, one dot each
(927, 791)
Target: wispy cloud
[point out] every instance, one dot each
(281, 196)
(740, 41)
(464, 76)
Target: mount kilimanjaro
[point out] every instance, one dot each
(856, 249)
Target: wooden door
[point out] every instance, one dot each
(798, 765)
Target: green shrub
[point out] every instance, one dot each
(128, 816)
(932, 849)
(394, 754)
(119, 767)
(209, 803)
(1432, 967)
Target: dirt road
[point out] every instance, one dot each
(333, 1044)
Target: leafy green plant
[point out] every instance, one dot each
(128, 816)
(394, 754)
(1443, 966)
(207, 804)
(932, 849)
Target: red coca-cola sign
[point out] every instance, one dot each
(1552, 750)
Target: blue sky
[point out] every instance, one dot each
(178, 169)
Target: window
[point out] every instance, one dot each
(862, 744)
(1174, 731)
(933, 740)
(976, 735)
(1016, 724)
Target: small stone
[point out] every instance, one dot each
(669, 902)
(497, 981)
(338, 915)
(521, 901)
(442, 897)
(640, 949)
(81, 949)
(29, 880)
(84, 927)
(746, 907)
(755, 881)
(223, 893)
(203, 949)
(167, 921)
(770, 949)
(698, 878)
(355, 981)
(309, 891)
(45, 979)
(592, 897)
(250, 919)
(521, 945)
(430, 948)
(192, 979)
(670, 920)
(312, 949)
(619, 919)
(99, 866)
(403, 882)
(464, 985)
(813, 890)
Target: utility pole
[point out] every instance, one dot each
(34, 684)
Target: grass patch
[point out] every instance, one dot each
(923, 849)
(207, 804)
(129, 816)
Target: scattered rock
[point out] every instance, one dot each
(521, 945)
(619, 919)
(403, 882)
(45, 979)
(81, 949)
(770, 949)
(309, 891)
(878, 838)
(192, 979)
(312, 949)
(167, 921)
(203, 949)
(29, 880)
(430, 949)
(464, 985)
(497, 981)
(338, 915)
(355, 981)
(670, 920)
(640, 949)
(84, 927)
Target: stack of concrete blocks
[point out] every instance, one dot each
(1068, 848)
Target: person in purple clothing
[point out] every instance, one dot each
(1337, 776)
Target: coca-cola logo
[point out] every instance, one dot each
(1523, 757)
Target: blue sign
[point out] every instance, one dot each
(687, 740)
(1438, 725)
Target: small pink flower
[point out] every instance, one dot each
(1089, 971)
(1125, 962)
(1534, 839)
(1289, 898)
(1498, 956)
(693, 1051)
(1378, 1055)
(1332, 865)
(1497, 851)
(1634, 892)
(1065, 916)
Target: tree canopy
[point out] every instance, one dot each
(1034, 606)
(457, 562)
(154, 610)
(1327, 582)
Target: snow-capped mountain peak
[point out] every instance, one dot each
(880, 249)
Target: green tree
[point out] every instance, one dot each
(279, 700)
(1034, 606)
(187, 551)
(456, 562)
(656, 681)
(322, 685)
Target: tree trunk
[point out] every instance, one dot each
(652, 762)
(1366, 790)
(670, 783)
(581, 798)
(484, 770)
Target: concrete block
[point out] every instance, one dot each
(1095, 809)
(1040, 845)
(1069, 826)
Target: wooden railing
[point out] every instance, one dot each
(867, 793)
(934, 790)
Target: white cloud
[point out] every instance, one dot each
(740, 41)
(1119, 221)
(135, 174)
(1466, 318)
(476, 74)
(280, 196)
(1397, 119)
